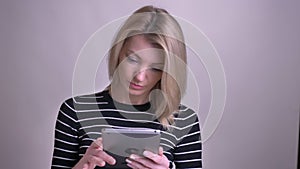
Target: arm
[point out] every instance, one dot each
(188, 152)
(65, 154)
(66, 144)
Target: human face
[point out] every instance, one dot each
(139, 70)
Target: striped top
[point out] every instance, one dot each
(80, 120)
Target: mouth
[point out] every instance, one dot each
(135, 86)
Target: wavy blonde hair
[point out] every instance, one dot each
(164, 32)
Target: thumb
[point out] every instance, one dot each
(88, 166)
(91, 166)
(85, 166)
(160, 151)
(154, 157)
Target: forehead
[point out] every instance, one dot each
(140, 46)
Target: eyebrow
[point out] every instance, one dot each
(133, 53)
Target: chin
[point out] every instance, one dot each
(136, 92)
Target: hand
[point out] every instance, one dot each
(95, 156)
(149, 161)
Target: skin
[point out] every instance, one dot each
(140, 69)
(94, 156)
(150, 160)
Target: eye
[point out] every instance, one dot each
(156, 69)
(132, 59)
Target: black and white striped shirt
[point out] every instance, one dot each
(80, 120)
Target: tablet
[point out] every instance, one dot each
(126, 141)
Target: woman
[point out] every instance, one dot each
(147, 68)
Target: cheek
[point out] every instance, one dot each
(156, 77)
(125, 71)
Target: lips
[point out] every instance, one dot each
(135, 86)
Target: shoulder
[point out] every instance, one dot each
(185, 118)
(90, 98)
(185, 112)
(186, 122)
(85, 101)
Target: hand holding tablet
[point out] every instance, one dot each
(127, 141)
(140, 146)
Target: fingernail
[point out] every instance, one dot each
(113, 161)
(102, 164)
(132, 156)
(128, 161)
(129, 165)
(146, 153)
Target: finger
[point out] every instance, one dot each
(96, 156)
(94, 152)
(135, 164)
(142, 161)
(151, 155)
(85, 166)
(94, 160)
(91, 166)
(129, 165)
(100, 158)
(88, 166)
(97, 143)
(160, 151)
(154, 157)
(95, 147)
(106, 157)
(102, 155)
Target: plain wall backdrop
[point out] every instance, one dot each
(258, 43)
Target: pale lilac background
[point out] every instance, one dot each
(258, 42)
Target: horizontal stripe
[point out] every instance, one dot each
(62, 158)
(169, 141)
(67, 134)
(112, 110)
(174, 136)
(190, 134)
(88, 139)
(188, 152)
(89, 103)
(84, 146)
(68, 116)
(187, 161)
(117, 119)
(188, 144)
(60, 166)
(111, 118)
(66, 142)
(68, 126)
(185, 118)
(166, 145)
(64, 150)
(90, 97)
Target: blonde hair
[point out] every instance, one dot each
(163, 31)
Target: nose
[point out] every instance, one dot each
(141, 75)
